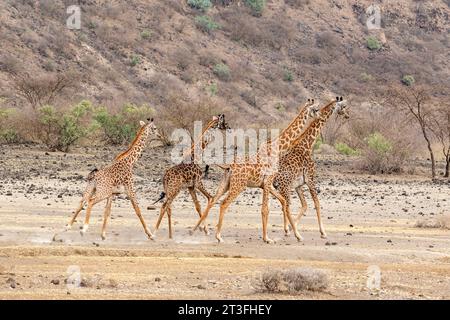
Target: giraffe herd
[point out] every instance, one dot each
(278, 166)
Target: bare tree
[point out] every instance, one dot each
(42, 89)
(440, 127)
(415, 104)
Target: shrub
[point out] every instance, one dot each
(9, 136)
(373, 43)
(60, 130)
(379, 144)
(318, 143)
(288, 75)
(345, 149)
(212, 89)
(270, 281)
(222, 71)
(292, 280)
(146, 34)
(121, 127)
(442, 222)
(381, 155)
(366, 77)
(257, 6)
(302, 279)
(206, 24)
(280, 106)
(200, 4)
(135, 60)
(408, 80)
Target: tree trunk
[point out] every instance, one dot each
(447, 167)
(430, 150)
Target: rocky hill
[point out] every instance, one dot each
(259, 63)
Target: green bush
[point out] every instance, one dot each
(9, 136)
(222, 71)
(146, 34)
(206, 24)
(257, 6)
(7, 133)
(288, 75)
(408, 80)
(212, 89)
(373, 43)
(379, 144)
(366, 77)
(200, 4)
(134, 61)
(121, 127)
(318, 143)
(345, 149)
(60, 130)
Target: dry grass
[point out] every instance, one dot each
(441, 222)
(292, 280)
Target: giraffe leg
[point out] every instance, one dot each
(197, 207)
(87, 194)
(161, 215)
(284, 199)
(304, 204)
(223, 187)
(265, 214)
(169, 219)
(235, 190)
(93, 201)
(106, 216)
(312, 189)
(131, 195)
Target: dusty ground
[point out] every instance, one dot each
(369, 219)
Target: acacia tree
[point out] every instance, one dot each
(415, 104)
(440, 127)
(42, 89)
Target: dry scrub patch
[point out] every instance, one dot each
(292, 280)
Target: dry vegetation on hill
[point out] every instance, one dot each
(254, 64)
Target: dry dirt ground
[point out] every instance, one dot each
(370, 220)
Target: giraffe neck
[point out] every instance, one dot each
(308, 138)
(134, 151)
(281, 145)
(200, 143)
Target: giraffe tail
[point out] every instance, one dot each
(223, 166)
(206, 171)
(161, 196)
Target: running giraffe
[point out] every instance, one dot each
(188, 174)
(297, 166)
(114, 179)
(258, 172)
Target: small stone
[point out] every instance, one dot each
(55, 282)
(157, 279)
(202, 287)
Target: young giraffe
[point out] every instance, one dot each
(256, 172)
(297, 166)
(115, 179)
(188, 175)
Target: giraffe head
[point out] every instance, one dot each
(312, 109)
(150, 127)
(217, 123)
(341, 108)
(220, 122)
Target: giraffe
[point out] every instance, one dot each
(298, 168)
(188, 174)
(256, 172)
(114, 179)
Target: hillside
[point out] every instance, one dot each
(147, 51)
